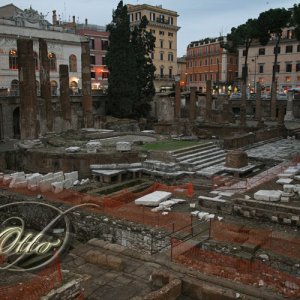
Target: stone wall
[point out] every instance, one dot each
(10, 117)
(253, 137)
(88, 225)
(35, 161)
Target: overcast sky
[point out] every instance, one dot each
(197, 18)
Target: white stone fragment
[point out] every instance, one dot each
(72, 149)
(295, 218)
(17, 179)
(285, 199)
(284, 180)
(57, 187)
(202, 215)
(297, 177)
(47, 176)
(285, 175)
(153, 199)
(45, 185)
(32, 187)
(93, 146)
(195, 213)
(267, 195)
(293, 171)
(123, 146)
(274, 218)
(84, 181)
(68, 183)
(20, 184)
(288, 188)
(7, 179)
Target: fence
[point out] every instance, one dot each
(254, 273)
(34, 288)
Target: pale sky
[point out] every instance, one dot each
(198, 19)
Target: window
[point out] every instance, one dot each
(161, 18)
(261, 79)
(131, 17)
(288, 79)
(104, 44)
(152, 55)
(152, 31)
(260, 68)
(92, 43)
(170, 21)
(103, 61)
(170, 57)
(191, 78)
(298, 48)
(195, 77)
(52, 61)
(72, 63)
(161, 56)
(104, 75)
(244, 52)
(200, 77)
(211, 61)
(36, 61)
(170, 44)
(170, 73)
(289, 49)
(170, 33)
(13, 57)
(92, 60)
(288, 67)
(137, 16)
(297, 67)
(93, 75)
(205, 77)
(261, 51)
(277, 68)
(161, 72)
(152, 16)
(290, 34)
(161, 43)
(278, 50)
(206, 61)
(53, 85)
(161, 32)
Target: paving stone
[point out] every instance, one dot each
(284, 181)
(153, 199)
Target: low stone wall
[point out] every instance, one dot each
(252, 137)
(88, 225)
(170, 287)
(35, 160)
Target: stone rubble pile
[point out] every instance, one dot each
(54, 182)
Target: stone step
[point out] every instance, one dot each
(210, 163)
(207, 159)
(176, 153)
(183, 155)
(206, 154)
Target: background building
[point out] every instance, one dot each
(163, 25)
(98, 38)
(63, 48)
(207, 60)
(261, 61)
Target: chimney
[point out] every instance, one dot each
(86, 21)
(73, 19)
(54, 18)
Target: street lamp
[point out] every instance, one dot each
(254, 60)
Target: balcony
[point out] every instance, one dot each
(164, 77)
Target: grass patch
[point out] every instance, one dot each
(170, 145)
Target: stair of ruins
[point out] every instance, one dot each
(296, 133)
(198, 157)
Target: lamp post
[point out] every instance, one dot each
(254, 60)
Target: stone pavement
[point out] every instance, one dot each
(113, 272)
(280, 150)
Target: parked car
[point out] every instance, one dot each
(265, 96)
(235, 96)
(281, 96)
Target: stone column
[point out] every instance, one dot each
(45, 82)
(289, 116)
(280, 120)
(65, 101)
(27, 81)
(87, 103)
(208, 100)
(243, 107)
(273, 100)
(192, 108)
(258, 102)
(177, 107)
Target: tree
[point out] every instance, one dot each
(296, 20)
(242, 36)
(271, 24)
(121, 62)
(143, 44)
